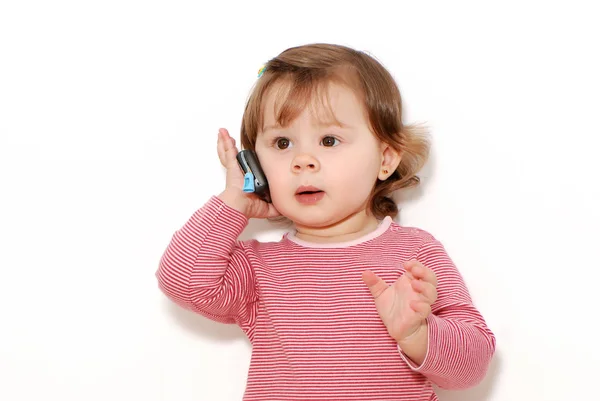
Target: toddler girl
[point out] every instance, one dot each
(349, 305)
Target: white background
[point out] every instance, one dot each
(108, 119)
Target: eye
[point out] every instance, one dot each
(330, 141)
(281, 143)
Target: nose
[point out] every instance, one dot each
(305, 162)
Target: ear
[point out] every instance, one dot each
(390, 159)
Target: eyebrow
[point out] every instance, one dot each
(325, 125)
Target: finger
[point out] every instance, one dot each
(229, 149)
(263, 209)
(376, 285)
(226, 139)
(423, 309)
(409, 275)
(419, 271)
(223, 144)
(427, 290)
(410, 264)
(221, 149)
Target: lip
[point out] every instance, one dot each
(309, 195)
(306, 188)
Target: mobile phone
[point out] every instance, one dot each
(255, 180)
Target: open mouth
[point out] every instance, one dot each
(308, 192)
(307, 189)
(309, 195)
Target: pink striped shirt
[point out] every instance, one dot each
(312, 322)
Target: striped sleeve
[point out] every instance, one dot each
(460, 345)
(204, 268)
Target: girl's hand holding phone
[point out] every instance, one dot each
(251, 205)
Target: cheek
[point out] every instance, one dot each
(357, 170)
(274, 171)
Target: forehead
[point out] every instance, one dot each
(325, 103)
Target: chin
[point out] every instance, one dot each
(311, 218)
(314, 219)
(316, 216)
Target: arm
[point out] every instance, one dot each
(204, 268)
(459, 345)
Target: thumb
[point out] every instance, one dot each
(375, 284)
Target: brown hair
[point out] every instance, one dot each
(307, 70)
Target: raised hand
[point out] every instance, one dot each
(233, 195)
(404, 305)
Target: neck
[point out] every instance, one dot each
(352, 227)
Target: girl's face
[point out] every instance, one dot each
(320, 174)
